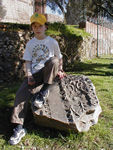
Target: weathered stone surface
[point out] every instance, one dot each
(72, 105)
(19, 12)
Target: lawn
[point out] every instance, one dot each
(99, 137)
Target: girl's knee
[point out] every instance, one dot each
(55, 61)
(52, 61)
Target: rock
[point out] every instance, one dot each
(72, 105)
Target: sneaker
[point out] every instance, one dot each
(40, 99)
(45, 94)
(17, 136)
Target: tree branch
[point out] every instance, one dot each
(60, 6)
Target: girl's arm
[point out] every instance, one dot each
(60, 64)
(61, 73)
(31, 80)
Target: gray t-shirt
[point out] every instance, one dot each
(39, 51)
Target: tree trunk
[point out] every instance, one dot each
(75, 12)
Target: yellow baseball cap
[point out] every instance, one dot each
(39, 18)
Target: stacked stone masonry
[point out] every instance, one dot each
(12, 46)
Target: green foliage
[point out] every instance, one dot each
(80, 9)
(100, 136)
(93, 7)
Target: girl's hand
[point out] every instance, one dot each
(61, 74)
(31, 80)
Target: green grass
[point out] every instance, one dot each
(99, 137)
(53, 29)
(66, 30)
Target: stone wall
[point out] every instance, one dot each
(54, 18)
(105, 37)
(12, 45)
(19, 11)
(16, 11)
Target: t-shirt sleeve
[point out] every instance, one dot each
(27, 53)
(57, 51)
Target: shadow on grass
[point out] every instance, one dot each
(6, 127)
(6, 108)
(97, 69)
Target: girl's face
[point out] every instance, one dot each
(39, 30)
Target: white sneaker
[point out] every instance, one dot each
(17, 136)
(40, 99)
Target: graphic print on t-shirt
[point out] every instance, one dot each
(40, 54)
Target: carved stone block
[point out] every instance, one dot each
(72, 105)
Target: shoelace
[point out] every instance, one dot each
(15, 132)
(39, 97)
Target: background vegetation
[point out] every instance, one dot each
(75, 11)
